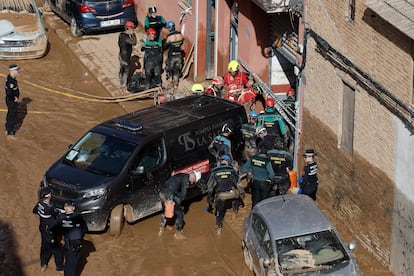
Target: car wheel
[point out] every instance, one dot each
(247, 257)
(74, 28)
(117, 220)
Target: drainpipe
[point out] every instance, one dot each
(216, 29)
(196, 40)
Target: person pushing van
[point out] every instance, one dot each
(172, 195)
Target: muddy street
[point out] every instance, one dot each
(54, 112)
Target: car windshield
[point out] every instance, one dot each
(100, 154)
(309, 252)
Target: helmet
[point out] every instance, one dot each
(226, 128)
(170, 24)
(218, 80)
(270, 102)
(197, 175)
(233, 89)
(151, 31)
(152, 10)
(253, 114)
(291, 91)
(129, 25)
(261, 132)
(197, 88)
(233, 66)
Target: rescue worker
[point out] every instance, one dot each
(175, 189)
(235, 76)
(175, 60)
(248, 131)
(221, 144)
(216, 88)
(50, 243)
(260, 169)
(155, 22)
(282, 162)
(290, 100)
(12, 98)
(126, 40)
(197, 89)
(308, 182)
(152, 60)
(223, 186)
(272, 121)
(247, 98)
(73, 228)
(232, 93)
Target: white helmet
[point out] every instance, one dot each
(197, 175)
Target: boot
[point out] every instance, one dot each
(179, 235)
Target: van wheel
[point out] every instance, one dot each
(74, 28)
(117, 220)
(247, 258)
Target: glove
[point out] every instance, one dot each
(300, 180)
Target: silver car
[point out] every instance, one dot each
(289, 235)
(22, 33)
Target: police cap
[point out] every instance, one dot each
(45, 192)
(69, 203)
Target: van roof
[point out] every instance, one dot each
(172, 114)
(292, 215)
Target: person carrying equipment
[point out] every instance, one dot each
(223, 187)
(282, 162)
(248, 131)
(234, 75)
(272, 121)
(221, 144)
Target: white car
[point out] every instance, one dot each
(289, 235)
(22, 32)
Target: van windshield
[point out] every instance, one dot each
(100, 154)
(320, 250)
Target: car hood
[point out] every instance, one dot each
(71, 178)
(6, 28)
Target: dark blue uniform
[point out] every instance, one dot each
(12, 94)
(263, 174)
(73, 228)
(281, 160)
(222, 181)
(175, 188)
(50, 243)
(309, 185)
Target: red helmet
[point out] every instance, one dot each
(291, 91)
(129, 25)
(233, 89)
(218, 80)
(151, 31)
(270, 102)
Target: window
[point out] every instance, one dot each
(348, 110)
(151, 156)
(351, 10)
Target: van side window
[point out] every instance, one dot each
(151, 155)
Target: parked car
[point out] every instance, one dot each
(94, 15)
(115, 171)
(289, 235)
(22, 32)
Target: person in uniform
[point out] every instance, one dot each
(308, 182)
(261, 172)
(152, 60)
(216, 88)
(272, 121)
(222, 186)
(155, 22)
(282, 162)
(73, 228)
(50, 243)
(12, 98)
(126, 40)
(221, 144)
(175, 60)
(175, 189)
(248, 131)
(235, 76)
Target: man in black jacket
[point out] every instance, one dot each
(126, 40)
(12, 97)
(175, 189)
(73, 228)
(50, 243)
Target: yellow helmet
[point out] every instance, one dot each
(233, 66)
(197, 88)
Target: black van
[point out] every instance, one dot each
(115, 171)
